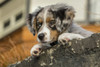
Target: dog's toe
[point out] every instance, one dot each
(35, 53)
(63, 42)
(36, 50)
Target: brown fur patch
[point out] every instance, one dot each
(40, 20)
(54, 34)
(49, 19)
(34, 23)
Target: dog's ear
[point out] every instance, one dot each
(64, 17)
(31, 20)
(70, 14)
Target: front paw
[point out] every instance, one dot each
(36, 50)
(62, 40)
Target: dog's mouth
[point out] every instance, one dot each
(44, 42)
(51, 41)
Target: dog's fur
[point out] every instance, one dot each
(52, 23)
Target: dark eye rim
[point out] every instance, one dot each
(53, 28)
(38, 25)
(52, 22)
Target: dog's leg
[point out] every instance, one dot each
(65, 37)
(79, 30)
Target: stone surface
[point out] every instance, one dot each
(78, 53)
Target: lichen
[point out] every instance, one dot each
(51, 51)
(51, 64)
(73, 50)
(43, 64)
(97, 44)
(76, 42)
(18, 62)
(69, 43)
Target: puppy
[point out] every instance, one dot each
(54, 24)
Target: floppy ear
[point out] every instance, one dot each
(64, 18)
(31, 21)
(70, 14)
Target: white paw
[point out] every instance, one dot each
(36, 50)
(62, 39)
(65, 37)
(70, 36)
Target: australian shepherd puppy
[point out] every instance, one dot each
(54, 24)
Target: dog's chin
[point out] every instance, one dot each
(48, 41)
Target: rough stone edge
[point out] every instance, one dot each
(95, 39)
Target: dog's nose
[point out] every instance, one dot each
(41, 36)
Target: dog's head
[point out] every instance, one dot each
(50, 21)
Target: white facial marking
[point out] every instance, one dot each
(45, 29)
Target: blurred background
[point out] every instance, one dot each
(15, 38)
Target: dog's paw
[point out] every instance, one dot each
(36, 50)
(65, 37)
(62, 40)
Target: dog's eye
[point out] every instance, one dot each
(52, 22)
(52, 25)
(39, 24)
(65, 25)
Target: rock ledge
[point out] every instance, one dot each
(78, 53)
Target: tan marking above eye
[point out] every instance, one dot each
(40, 20)
(34, 20)
(49, 19)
